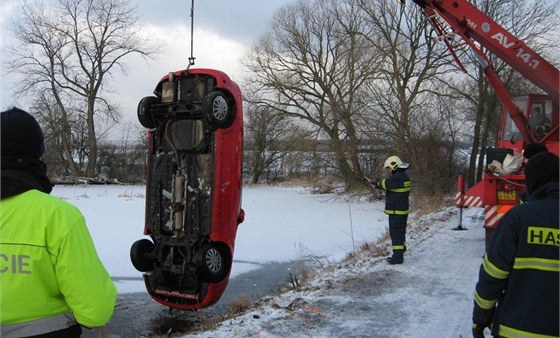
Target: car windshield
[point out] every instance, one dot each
(539, 117)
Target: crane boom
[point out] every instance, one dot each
(473, 25)
(466, 19)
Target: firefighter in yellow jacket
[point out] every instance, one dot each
(52, 281)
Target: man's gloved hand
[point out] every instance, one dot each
(377, 183)
(478, 331)
(482, 318)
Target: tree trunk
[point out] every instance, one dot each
(92, 143)
(479, 120)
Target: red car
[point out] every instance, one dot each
(193, 192)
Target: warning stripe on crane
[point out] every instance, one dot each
(468, 201)
(493, 214)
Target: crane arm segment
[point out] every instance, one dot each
(473, 26)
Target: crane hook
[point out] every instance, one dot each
(191, 58)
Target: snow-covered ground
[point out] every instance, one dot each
(281, 224)
(428, 296)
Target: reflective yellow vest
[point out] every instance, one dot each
(48, 264)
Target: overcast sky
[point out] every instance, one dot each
(224, 30)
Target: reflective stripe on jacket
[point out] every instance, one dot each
(48, 263)
(398, 190)
(523, 260)
(38, 326)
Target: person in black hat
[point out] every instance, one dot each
(533, 149)
(22, 145)
(530, 150)
(517, 291)
(51, 276)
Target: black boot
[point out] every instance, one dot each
(395, 260)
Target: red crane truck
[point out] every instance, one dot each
(497, 193)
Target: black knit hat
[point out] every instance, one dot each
(532, 149)
(541, 169)
(21, 135)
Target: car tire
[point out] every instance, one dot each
(212, 263)
(138, 255)
(218, 110)
(144, 111)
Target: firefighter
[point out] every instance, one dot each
(539, 121)
(397, 188)
(517, 290)
(52, 279)
(530, 150)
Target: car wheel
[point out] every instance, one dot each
(144, 111)
(218, 110)
(138, 255)
(212, 263)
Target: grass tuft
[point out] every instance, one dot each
(238, 306)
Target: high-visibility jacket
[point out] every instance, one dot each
(520, 271)
(398, 190)
(50, 272)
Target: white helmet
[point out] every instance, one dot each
(394, 162)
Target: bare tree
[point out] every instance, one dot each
(401, 98)
(312, 65)
(371, 73)
(68, 51)
(270, 136)
(58, 128)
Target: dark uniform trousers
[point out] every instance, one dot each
(397, 230)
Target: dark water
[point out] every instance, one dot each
(137, 315)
